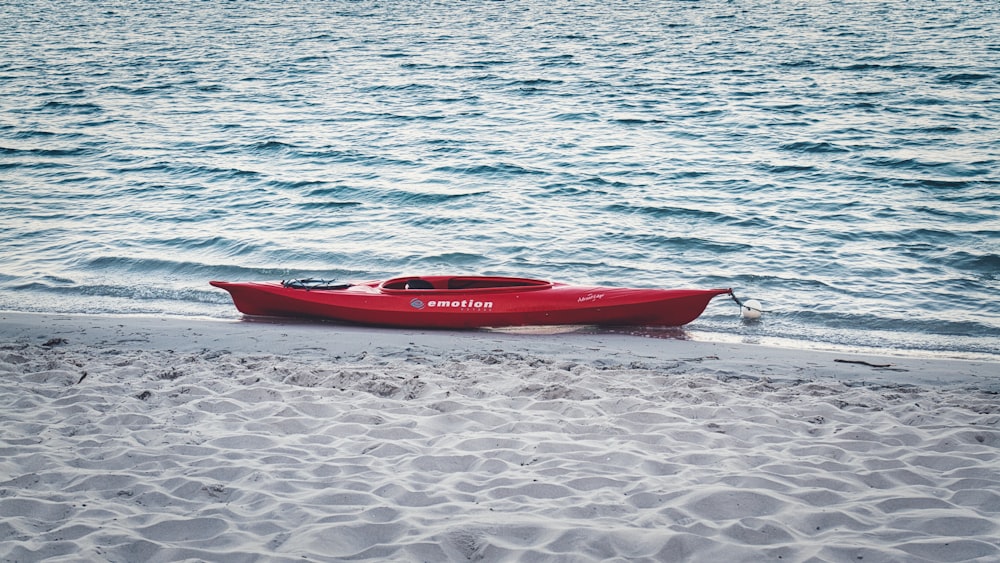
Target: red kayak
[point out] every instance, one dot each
(470, 302)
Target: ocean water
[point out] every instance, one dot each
(837, 161)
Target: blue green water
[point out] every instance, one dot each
(837, 161)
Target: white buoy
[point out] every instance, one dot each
(751, 309)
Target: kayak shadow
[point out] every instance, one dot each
(662, 333)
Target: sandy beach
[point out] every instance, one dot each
(146, 439)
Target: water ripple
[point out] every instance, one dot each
(837, 163)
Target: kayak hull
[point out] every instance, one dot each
(472, 302)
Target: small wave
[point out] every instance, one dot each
(535, 82)
(813, 147)
(502, 169)
(451, 260)
(609, 148)
(561, 61)
(922, 236)
(149, 268)
(564, 189)
(266, 147)
(327, 205)
(395, 88)
(937, 183)
(958, 215)
(921, 132)
(145, 89)
(951, 168)
(666, 212)
(784, 168)
(803, 63)
(641, 121)
(47, 135)
(219, 245)
(986, 264)
(205, 171)
(330, 190)
(648, 242)
(472, 65)
(601, 183)
(71, 107)
(312, 59)
(329, 156)
(294, 184)
(896, 67)
(45, 282)
(424, 199)
(963, 77)
(901, 324)
(47, 152)
(586, 116)
(146, 291)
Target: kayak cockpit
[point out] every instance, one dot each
(463, 283)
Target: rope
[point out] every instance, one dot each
(741, 304)
(313, 283)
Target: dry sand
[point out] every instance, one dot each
(136, 439)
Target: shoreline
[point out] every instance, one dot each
(164, 439)
(312, 339)
(880, 343)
